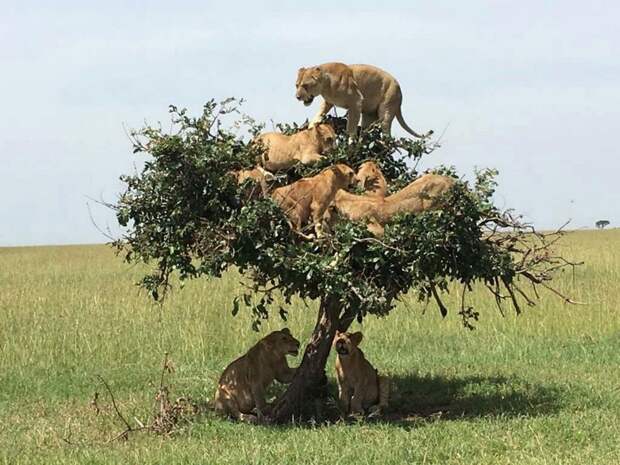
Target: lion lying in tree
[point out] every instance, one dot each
(307, 146)
(241, 388)
(360, 388)
(370, 178)
(307, 199)
(423, 194)
(362, 89)
(258, 174)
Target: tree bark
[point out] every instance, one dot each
(345, 321)
(310, 380)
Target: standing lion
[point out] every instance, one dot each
(363, 90)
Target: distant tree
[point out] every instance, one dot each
(600, 224)
(184, 214)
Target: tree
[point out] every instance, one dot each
(601, 224)
(184, 214)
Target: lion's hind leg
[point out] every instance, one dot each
(226, 405)
(384, 391)
(368, 119)
(383, 384)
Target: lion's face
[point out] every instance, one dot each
(308, 84)
(346, 343)
(368, 175)
(346, 173)
(283, 342)
(327, 133)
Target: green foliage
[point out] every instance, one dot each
(185, 213)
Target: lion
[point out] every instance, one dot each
(370, 178)
(307, 199)
(360, 388)
(423, 194)
(306, 147)
(241, 388)
(361, 89)
(258, 174)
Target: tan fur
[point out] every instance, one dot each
(363, 90)
(258, 174)
(421, 195)
(307, 146)
(371, 179)
(241, 388)
(360, 388)
(307, 199)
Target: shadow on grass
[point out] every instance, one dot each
(417, 399)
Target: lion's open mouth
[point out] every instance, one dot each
(294, 352)
(308, 101)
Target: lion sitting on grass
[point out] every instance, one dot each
(360, 388)
(241, 388)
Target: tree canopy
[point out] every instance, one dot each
(185, 214)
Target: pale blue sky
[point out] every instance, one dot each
(531, 88)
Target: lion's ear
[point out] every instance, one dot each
(356, 338)
(317, 69)
(301, 70)
(286, 330)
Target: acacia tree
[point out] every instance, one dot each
(185, 214)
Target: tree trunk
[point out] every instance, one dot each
(310, 380)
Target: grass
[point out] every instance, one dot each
(541, 388)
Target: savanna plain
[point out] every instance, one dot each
(539, 388)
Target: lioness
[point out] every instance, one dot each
(371, 179)
(241, 388)
(307, 199)
(307, 146)
(362, 89)
(360, 388)
(258, 174)
(423, 194)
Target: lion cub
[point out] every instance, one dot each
(257, 174)
(360, 388)
(305, 201)
(370, 178)
(306, 147)
(241, 388)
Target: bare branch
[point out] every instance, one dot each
(442, 307)
(118, 412)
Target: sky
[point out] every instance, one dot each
(531, 88)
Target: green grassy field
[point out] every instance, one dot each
(541, 388)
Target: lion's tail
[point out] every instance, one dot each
(384, 391)
(401, 121)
